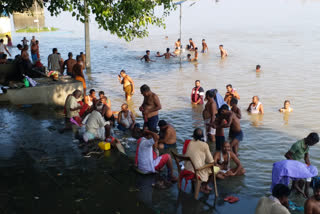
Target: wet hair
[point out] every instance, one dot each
(70, 54)
(234, 101)
(158, 52)
(190, 39)
(197, 81)
(229, 85)
(179, 39)
(256, 97)
(19, 46)
(78, 58)
(125, 104)
(59, 53)
(189, 55)
(1, 40)
(224, 107)
(203, 40)
(54, 50)
(280, 190)
(209, 93)
(77, 92)
(37, 41)
(196, 48)
(162, 123)
(91, 91)
(287, 101)
(144, 88)
(221, 46)
(315, 184)
(258, 66)
(147, 51)
(81, 53)
(101, 92)
(122, 71)
(313, 138)
(168, 49)
(198, 134)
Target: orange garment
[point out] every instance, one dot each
(79, 78)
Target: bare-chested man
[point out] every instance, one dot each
(149, 108)
(223, 160)
(69, 63)
(192, 46)
(195, 55)
(312, 205)
(223, 52)
(167, 55)
(235, 132)
(204, 46)
(177, 44)
(25, 54)
(128, 84)
(147, 57)
(231, 93)
(107, 112)
(209, 116)
(83, 59)
(234, 107)
(168, 137)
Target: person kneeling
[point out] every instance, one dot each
(223, 160)
(147, 160)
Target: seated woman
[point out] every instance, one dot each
(223, 161)
(126, 119)
(286, 107)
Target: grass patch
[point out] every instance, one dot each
(35, 30)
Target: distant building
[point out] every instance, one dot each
(29, 18)
(5, 26)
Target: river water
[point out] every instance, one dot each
(282, 36)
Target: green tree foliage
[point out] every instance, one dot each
(125, 18)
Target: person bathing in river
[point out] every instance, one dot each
(258, 68)
(107, 112)
(147, 57)
(167, 55)
(209, 115)
(204, 46)
(150, 108)
(69, 63)
(312, 205)
(189, 58)
(195, 55)
(167, 135)
(147, 160)
(231, 93)
(235, 132)
(191, 46)
(234, 107)
(126, 120)
(223, 52)
(197, 94)
(177, 44)
(223, 160)
(255, 107)
(286, 107)
(128, 84)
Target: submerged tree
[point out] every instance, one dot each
(125, 18)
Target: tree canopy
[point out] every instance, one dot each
(125, 18)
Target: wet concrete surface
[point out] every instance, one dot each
(42, 171)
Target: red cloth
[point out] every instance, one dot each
(163, 161)
(194, 95)
(185, 146)
(83, 109)
(187, 175)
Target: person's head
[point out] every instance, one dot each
(24, 38)
(203, 40)
(196, 49)
(209, 94)
(312, 139)
(99, 106)
(223, 109)
(281, 192)
(226, 147)
(77, 94)
(54, 50)
(7, 36)
(158, 53)
(92, 92)
(79, 59)
(101, 94)
(77, 69)
(188, 47)
(189, 56)
(37, 42)
(123, 73)
(145, 90)
(229, 88)
(124, 107)
(25, 47)
(258, 67)
(104, 99)
(147, 52)
(19, 47)
(190, 40)
(233, 101)
(4, 56)
(70, 55)
(198, 134)
(255, 99)
(81, 53)
(286, 104)
(316, 191)
(168, 49)
(220, 47)
(178, 40)
(197, 83)
(1, 41)
(33, 37)
(162, 124)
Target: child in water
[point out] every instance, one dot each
(286, 107)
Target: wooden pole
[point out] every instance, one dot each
(87, 37)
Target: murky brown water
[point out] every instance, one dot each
(281, 36)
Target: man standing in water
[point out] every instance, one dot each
(147, 57)
(70, 62)
(167, 135)
(192, 46)
(231, 93)
(223, 52)
(128, 84)
(255, 107)
(177, 44)
(209, 116)
(204, 46)
(167, 54)
(149, 108)
(235, 132)
(197, 94)
(312, 205)
(54, 60)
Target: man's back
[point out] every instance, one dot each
(270, 206)
(54, 62)
(145, 155)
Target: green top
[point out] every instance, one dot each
(299, 149)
